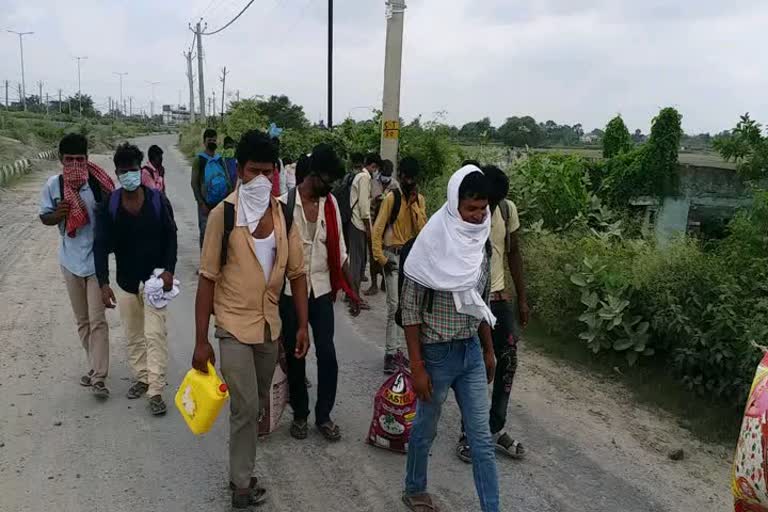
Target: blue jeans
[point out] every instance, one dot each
(459, 365)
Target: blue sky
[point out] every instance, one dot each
(554, 59)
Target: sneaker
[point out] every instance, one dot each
(138, 390)
(100, 390)
(389, 364)
(463, 452)
(248, 498)
(85, 380)
(157, 406)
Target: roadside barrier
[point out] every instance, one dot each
(21, 167)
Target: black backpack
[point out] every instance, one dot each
(229, 221)
(429, 296)
(343, 194)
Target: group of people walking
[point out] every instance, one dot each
(278, 243)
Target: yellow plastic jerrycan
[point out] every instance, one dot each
(200, 398)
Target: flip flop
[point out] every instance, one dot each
(420, 503)
(330, 431)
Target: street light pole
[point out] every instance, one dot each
(79, 89)
(121, 75)
(330, 64)
(21, 50)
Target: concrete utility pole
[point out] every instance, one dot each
(213, 101)
(40, 93)
(20, 93)
(223, 84)
(191, 79)
(59, 101)
(200, 78)
(47, 104)
(330, 64)
(130, 106)
(122, 102)
(7, 105)
(79, 90)
(393, 58)
(21, 50)
(152, 105)
(111, 107)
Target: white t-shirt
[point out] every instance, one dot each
(265, 252)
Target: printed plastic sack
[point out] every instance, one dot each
(277, 397)
(749, 480)
(394, 408)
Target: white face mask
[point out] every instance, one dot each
(253, 200)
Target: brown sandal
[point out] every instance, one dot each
(330, 431)
(420, 503)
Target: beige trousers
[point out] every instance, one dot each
(85, 297)
(147, 335)
(248, 371)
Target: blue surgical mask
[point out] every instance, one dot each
(130, 180)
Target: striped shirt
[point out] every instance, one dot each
(442, 323)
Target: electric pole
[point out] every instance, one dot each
(223, 84)
(20, 92)
(40, 93)
(108, 112)
(213, 101)
(393, 58)
(47, 104)
(122, 102)
(152, 105)
(237, 95)
(191, 79)
(7, 105)
(130, 106)
(200, 79)
(330, 64)
(125, 110)
(79, 90)
(21, 51)
(59, 101)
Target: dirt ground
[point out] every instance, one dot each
(590, 447)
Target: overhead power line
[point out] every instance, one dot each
(231, 21)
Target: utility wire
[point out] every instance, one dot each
(231, 21)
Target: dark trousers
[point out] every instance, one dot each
(321, 321)
(202, 223)
(505, 335)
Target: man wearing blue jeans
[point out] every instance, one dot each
(444, 307)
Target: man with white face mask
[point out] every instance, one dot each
(136, 223)
(248, 253)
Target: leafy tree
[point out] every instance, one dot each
(616, 139)
(638, 137)
(87, 101)
(280, 110)
(747, 146)
(521, 131)
(244, 115)
(477, 130)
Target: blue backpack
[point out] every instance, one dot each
(214, 177)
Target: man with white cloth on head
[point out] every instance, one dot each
(447, 323)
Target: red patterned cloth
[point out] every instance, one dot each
(75, 176)
(333, 245)
(276, 182)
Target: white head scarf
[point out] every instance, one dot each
(448, 253)
(253, 201)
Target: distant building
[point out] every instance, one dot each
(174, 116)
(589, 138)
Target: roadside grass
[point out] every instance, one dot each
(713, 421)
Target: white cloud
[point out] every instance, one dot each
(553, 59)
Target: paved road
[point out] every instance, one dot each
(60, 449)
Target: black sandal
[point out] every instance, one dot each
(330, 431)
(299, 429)
(508, 446)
